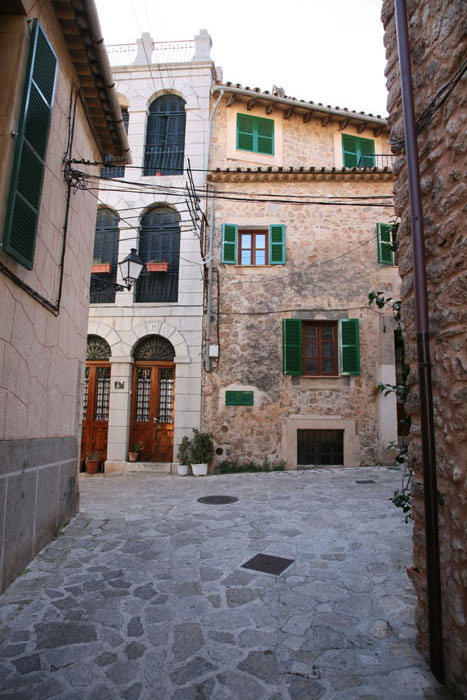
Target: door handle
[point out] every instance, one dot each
(155, 420)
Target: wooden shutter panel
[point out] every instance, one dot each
(239, 398)
(265, 136)
(31, 145)
(292, 346)
(349, 149)
(367, 151)
(245, 129)
(349, 346)
(277, 244)
(385, 254)
(229, 235)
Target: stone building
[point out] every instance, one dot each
(302, 198)
(55, 104)
(143, 375)
(438, 49)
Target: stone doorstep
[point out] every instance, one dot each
(114, 468)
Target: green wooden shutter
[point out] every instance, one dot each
(349, 346)
(229, 235)
(30, 151)
(265, 136)
(239, 398)
(245, 131)
(349, 149)
(292, 346)
(367, 153)
(277, 244)
(385, 253)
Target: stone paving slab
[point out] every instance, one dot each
(142, 596)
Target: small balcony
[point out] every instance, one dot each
(377, 160)
(163, 160)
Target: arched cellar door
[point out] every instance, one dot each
(152, 401)
(96, 398)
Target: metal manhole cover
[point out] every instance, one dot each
(217, 500)
(365, 481)
(268, 564)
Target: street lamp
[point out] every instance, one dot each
(130, 268)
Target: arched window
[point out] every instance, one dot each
(159, 241)
(165, 136)
(109, 171)
(105, 251)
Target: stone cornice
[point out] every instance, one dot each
(300, 174)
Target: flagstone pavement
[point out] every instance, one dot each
(143, 594)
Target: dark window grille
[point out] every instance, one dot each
(165, 137)
(320, 447)
(109, 171)
(105, 250)
(166, 382)
(86, 387)
(159, 240)
(143, 394)
(102, 393)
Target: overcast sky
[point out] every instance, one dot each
(328, 51)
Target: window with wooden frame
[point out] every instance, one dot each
(255, 134)
(22, 213)
(357, 152)
(253, 246)
(387, 244)
(320, 348)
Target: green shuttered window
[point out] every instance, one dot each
(292, 347)
(358, 152)
(239, 398)
(255, 134)
(385, 244)
(24, 198)
(250, 248)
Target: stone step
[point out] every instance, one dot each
(154, 467)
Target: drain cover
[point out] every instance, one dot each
(365, 481)
(217, 500)
(268, 564)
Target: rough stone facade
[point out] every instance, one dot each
(43, 310)
(331, 266)
(438, 46)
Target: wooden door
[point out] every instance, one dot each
(152, 410)
(96, 409)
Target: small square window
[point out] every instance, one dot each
(255, 134)
(252, 247)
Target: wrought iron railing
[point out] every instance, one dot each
(157, 287)
(163, 160)
(377, 160)
(109, 171)
(162, 52)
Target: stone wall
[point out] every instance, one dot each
(41, 354)
(438, 46)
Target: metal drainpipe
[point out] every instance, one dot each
(211, 239)
(433, 575)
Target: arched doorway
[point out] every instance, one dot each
(96, 398)
(152, 400)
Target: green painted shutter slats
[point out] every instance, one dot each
(277, 244)
(367, 153)
(245, 128)
(292, 346)
(265, 132)
(239, 398)
(349, 346)
(385, 253)
(349, 147)
(255, 134)
(229, 236)
(31, 145)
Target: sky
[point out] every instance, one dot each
(328, 51)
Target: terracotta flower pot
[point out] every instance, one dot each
(102, 268)
(157, 266)
(92, 466)
(133, 456)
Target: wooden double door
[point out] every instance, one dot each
(95, 423)
(152, 407)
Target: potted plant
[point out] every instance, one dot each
(184, 456)
(92, 462)
(156, 265)
(101, 267)
(137, 448)
(202, 452)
